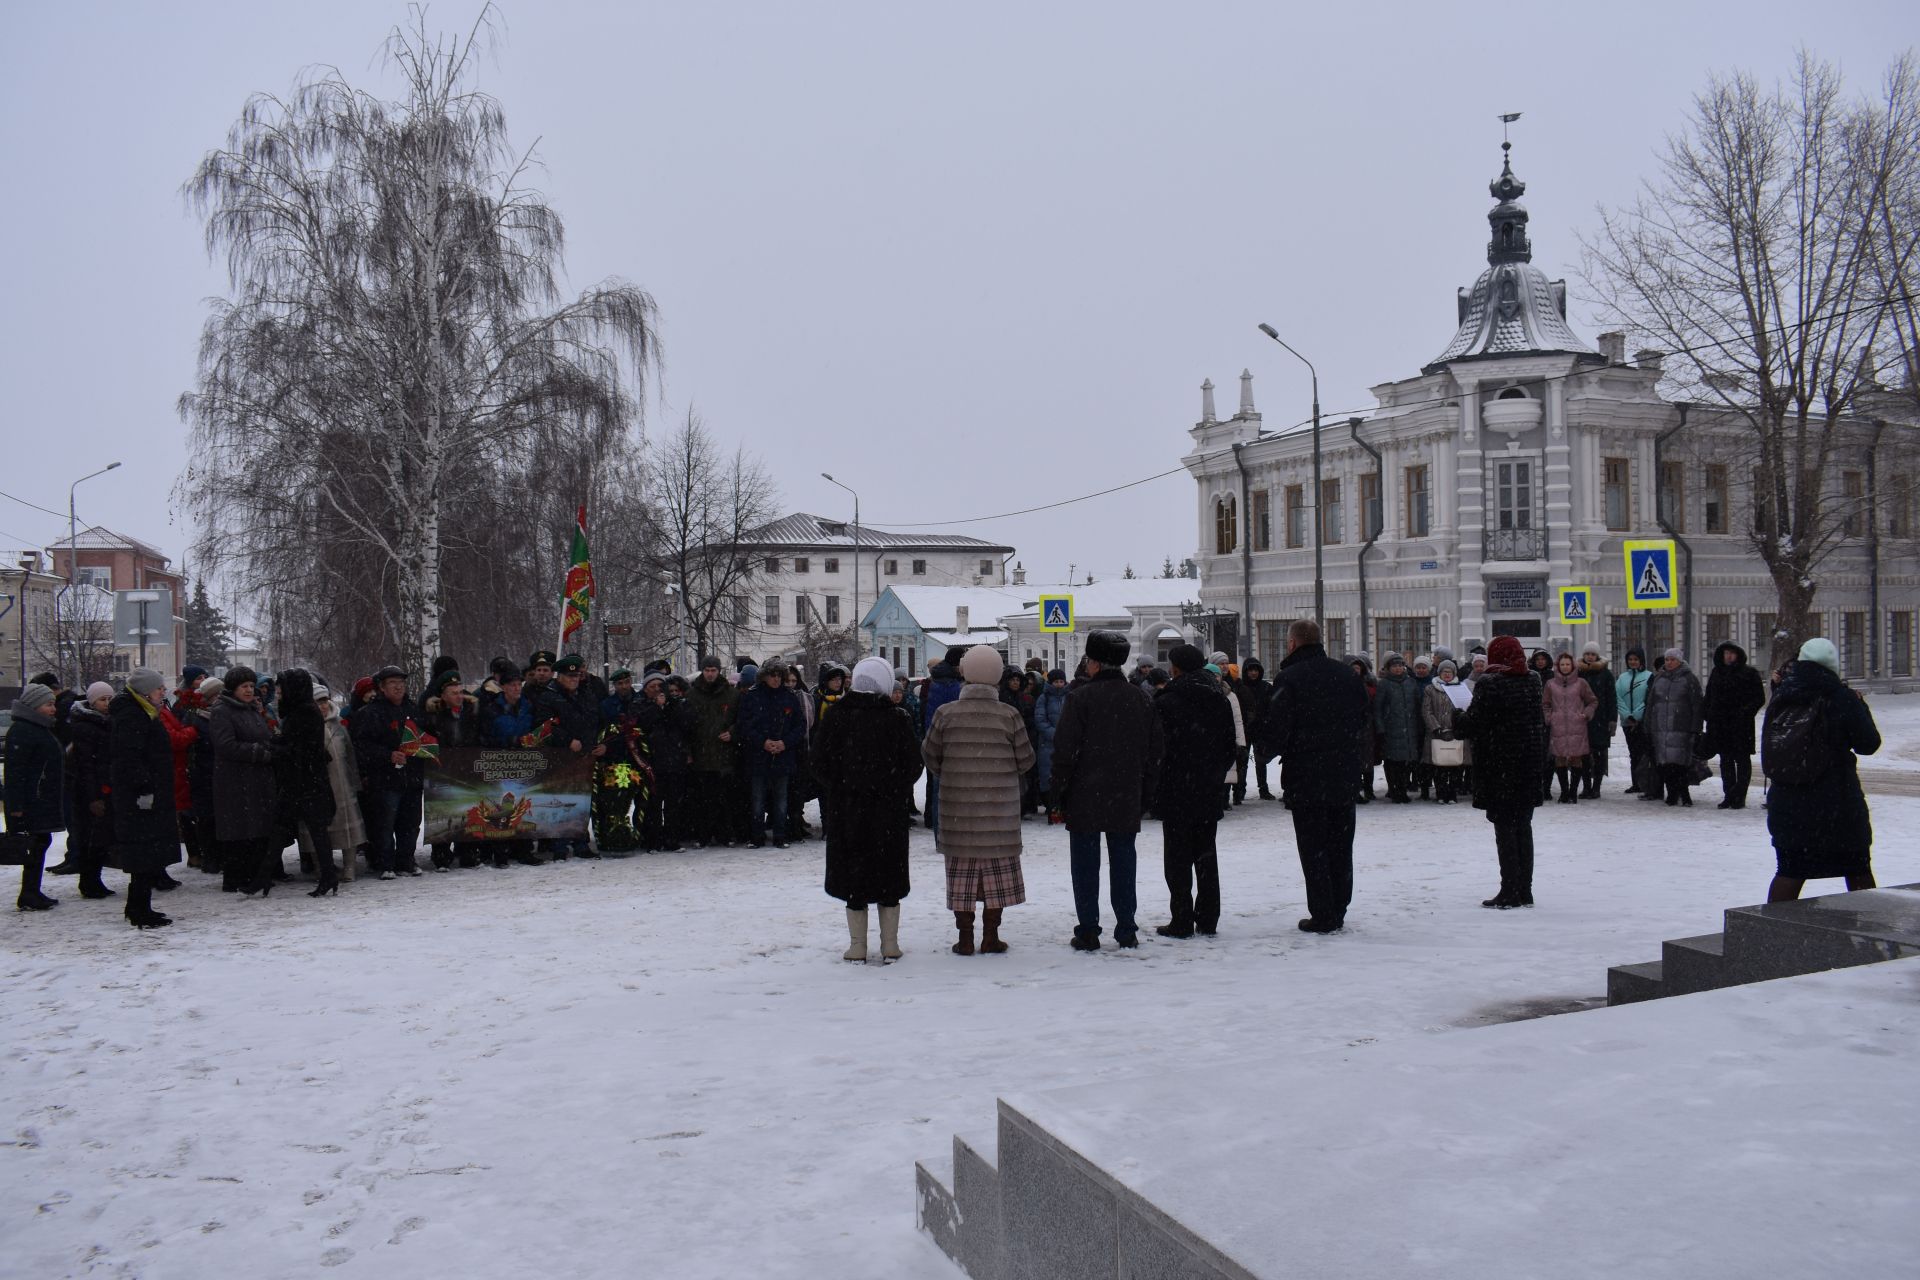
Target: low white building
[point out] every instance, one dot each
(1517, 462)
(1153, 614)
(812, 573)
(913, 627)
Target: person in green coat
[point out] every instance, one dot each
(714, 703)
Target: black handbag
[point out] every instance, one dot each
(15, 848)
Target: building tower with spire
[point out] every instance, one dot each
(1516, 462)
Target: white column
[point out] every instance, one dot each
(1470, 485)
(1559, 489)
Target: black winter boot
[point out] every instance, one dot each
(91, 885)
(140, 912)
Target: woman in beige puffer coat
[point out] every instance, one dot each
(977, 746)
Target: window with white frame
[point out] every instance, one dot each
(1403, 635)
(1513, 492)
(1419, 503)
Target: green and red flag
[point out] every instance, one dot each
(577, 598)
(416, 744)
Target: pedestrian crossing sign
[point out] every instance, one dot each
(1576, 605)
(1650, 578)
(1056, 613)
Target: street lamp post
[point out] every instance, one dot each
(73, 552)
(856, 558)
(1319, 565)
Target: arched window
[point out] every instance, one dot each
(1226, 532)
(1512, 393)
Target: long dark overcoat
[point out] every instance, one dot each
(1735, 695)
(1674, 705)
(89, 752)
(1606, 714)
(1106, 755)
(245, 794)
(865, 760)
(1396, 715)
(303, 788)
(1196, 726)
(1507, 724)
(141, 765)
(1320, 724)
(1829, 815)
(35, 771)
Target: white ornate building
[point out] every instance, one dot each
(1518, 461)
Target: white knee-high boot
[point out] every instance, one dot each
(889, 934)
(857, 930)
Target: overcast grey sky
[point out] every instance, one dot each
(968, 258)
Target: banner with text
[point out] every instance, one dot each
(526, 793)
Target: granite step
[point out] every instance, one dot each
(935, 1210)
(1694, 964)
(1811, 935)
(959, 1206)
(1632, 983)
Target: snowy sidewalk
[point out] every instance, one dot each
(659, 1066)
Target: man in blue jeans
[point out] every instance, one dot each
(770, 726)
(1106, 760)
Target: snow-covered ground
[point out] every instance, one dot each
(1898, 716)
(660, 1066)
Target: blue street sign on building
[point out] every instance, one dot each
(1056, 613)
(1650, 576)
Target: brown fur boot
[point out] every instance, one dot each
(990, 943)
(963, 921)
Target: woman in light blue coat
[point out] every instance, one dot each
(1630, 693)
(1048, 706)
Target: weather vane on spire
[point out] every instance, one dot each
(1506, 119)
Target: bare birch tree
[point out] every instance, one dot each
(1748, 257)
(1886, 138)
(396, 392)
(706, 504)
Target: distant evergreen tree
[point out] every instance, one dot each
(209, 632)
(1166, 568)
(1129, 573)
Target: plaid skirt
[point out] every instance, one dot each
(992, 882)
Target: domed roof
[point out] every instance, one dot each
(1512, 309)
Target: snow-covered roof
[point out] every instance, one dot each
(1117, 597)
(973, 635)
(99, 538)
(810, 531)
(938, 607)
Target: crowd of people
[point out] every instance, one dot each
(230, 772)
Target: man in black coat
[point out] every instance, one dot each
(1315, 724)
(1106, 755)
(577, 725)
(1735, 695)
(1196, 725)
(393, 785)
